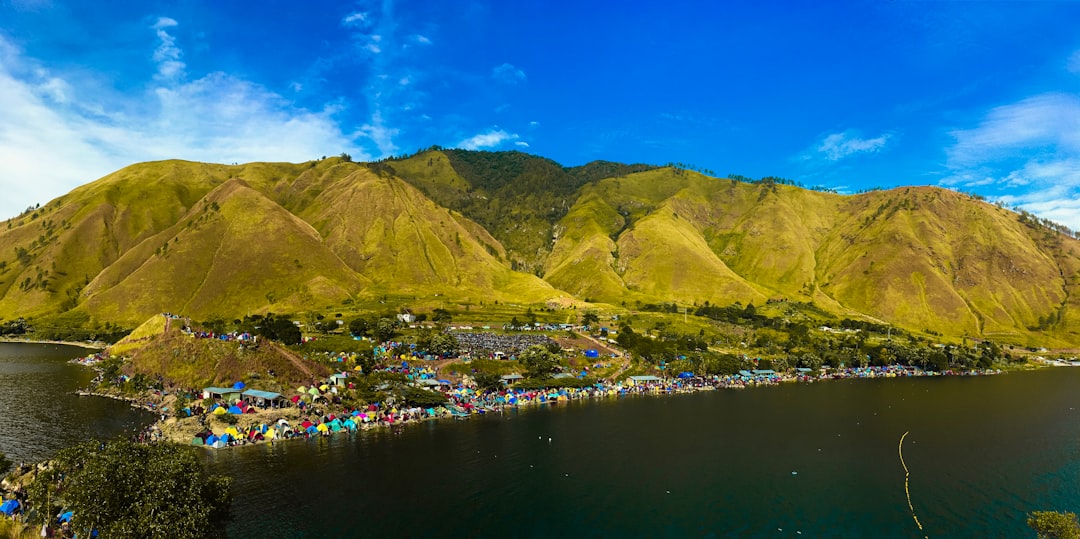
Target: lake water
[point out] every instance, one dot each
(815, 460)
(982, 452)
(39, 412)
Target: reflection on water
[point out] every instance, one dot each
(39, 414)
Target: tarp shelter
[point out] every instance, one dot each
(66, 517)
(262, 398)
(9, 507)
(224, 393)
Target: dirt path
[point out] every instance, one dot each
(293, 358)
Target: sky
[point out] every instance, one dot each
(981, 97)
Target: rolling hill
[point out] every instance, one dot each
(223, 241)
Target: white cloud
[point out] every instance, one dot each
(423, 40)
(840, 145)
(167, 55)
(1050, 121)
(58, 133)
(489, 139)
(380, 134)
(1073, 64)
(356, 18)
(508, 74)
(521, 144)
(1030, 150)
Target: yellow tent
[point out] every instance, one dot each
(270, 434)
(322, 427)
(231, 431)
(220, 411)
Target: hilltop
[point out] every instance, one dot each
(474, 228)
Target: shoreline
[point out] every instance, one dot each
(262, 424)
(80, 344)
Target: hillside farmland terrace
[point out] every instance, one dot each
(211, 240)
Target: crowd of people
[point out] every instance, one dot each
(487, 345)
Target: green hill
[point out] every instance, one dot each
(224, 241)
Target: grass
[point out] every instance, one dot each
(214, 240)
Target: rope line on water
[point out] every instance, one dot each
(907, 489)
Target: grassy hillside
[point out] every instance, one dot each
(460, 228)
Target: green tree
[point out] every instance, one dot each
(441, 316)
(486, 380)
(443, 344)
(424, 398)
(123, 489)
(359, 327)
(384, 329)
(1054, 525)
(538, 361)
(589, 319)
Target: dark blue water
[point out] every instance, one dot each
(39, 412)
(982, 452)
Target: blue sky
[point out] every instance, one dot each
(982, 97)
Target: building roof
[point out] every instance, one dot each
(563, 375)
(514, 376)
(429, 382)
(763, 371)
(269, 395)
(221, 390)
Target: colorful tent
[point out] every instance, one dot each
(219, 411)
(9, 507)
(235, 410)
(238, 385)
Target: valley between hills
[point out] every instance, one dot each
(471, 230)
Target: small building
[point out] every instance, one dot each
(339, 379)
(407, 318)
(226, 394)
(643, 380)
(764, 372)
(263, 398)
(511, 378)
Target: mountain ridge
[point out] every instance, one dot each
(221, 240)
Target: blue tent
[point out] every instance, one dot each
(238, 385)
(211, 439)
(312, 430)
(66, 517)
(9, 507)
(234, 409)
(685, 374)
(592, 353)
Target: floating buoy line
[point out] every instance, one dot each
(907, 489)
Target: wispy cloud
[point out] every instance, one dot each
(59, 132)
(1049, 121)
(837, 146)
(508, 74)
(167, 55)
(1073, 64)
(356, 18)
(1029, 150)
(423, 40)
(489, 139)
